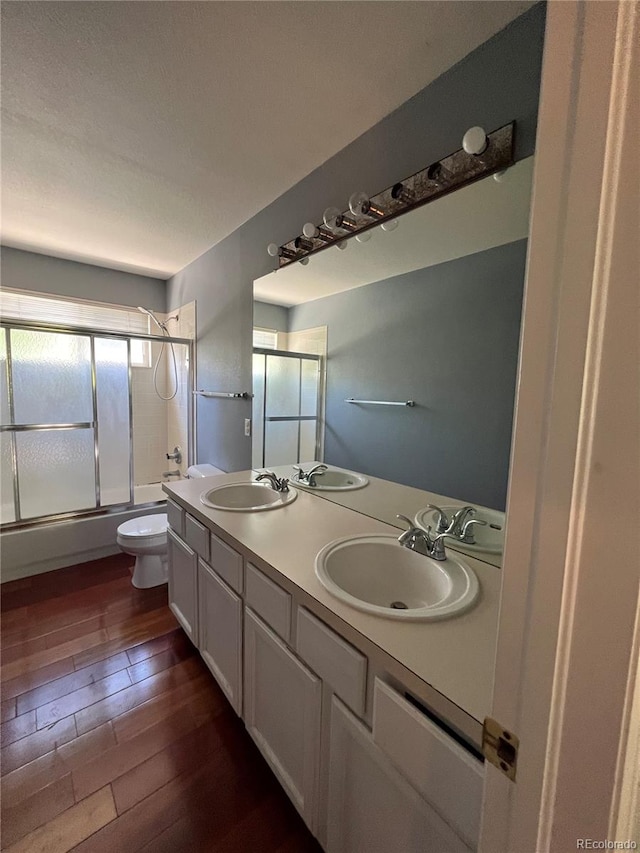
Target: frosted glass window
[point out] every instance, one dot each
(309, 387)
(51, 378)
(114, 446)
(55, 471)
(283, 386)
(7, 505)
(5, 415)
(308, 449)
(281, 443)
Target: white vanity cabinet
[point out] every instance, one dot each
(183, 584)
(401, 783)
(220, 630)
(282, 705)
(371, 807)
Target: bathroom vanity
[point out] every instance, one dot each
(372, 725)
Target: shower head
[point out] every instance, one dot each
(160, 325)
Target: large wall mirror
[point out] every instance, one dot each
(429, 313)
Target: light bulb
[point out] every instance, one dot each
(304, 261)
(390, 226)
(361, 205)
(364, 237)
(337, 221)
(331, 218)
(313, 233)
(273, 250)
(475, 141)
(342, 245)
(499, 177)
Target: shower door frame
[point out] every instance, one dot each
(14, 428)
(267, 351)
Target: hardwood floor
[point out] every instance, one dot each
(114, 735)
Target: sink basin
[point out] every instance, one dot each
(487, 539)
(334, 480)
(378, 575)
(247, 497)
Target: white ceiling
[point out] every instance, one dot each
(136, 135)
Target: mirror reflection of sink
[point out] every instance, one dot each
(488, 539)
(334, 480)
(378, 575)
(247, 497)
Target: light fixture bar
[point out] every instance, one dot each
(470, 163)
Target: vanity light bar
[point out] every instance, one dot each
(481, 155)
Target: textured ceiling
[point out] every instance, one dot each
(138, 134)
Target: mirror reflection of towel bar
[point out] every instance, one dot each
(243, 395)
(381, 402)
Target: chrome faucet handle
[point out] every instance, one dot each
(443, 522)
(277, 484)
(459, 518)
(467, 537)
(316, 471)
(301, 474)
(414, 534)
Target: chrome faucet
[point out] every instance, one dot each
(310, 476)
(278, 484)
(417, 539)
(453, 526)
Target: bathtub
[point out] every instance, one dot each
(44, 547)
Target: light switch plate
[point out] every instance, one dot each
(247, 426)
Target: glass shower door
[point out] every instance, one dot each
(65, 423)
(286, 389)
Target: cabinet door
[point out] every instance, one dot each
(183, 583)
(370, 805)
(220, 629)
(282, 701)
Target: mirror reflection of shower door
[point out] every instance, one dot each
(286, 388)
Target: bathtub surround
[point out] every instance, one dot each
(44, 547)
(495, 84)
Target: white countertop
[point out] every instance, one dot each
(454, 656)
(384, 499)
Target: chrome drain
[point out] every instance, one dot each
(398, 605)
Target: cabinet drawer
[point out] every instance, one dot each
(269, 601)
(447, 776)
(226, 562)
(335, 661)
(175, 516)
(197, 536)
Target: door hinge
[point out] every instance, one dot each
(500, 747)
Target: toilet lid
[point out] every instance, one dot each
(144, 525)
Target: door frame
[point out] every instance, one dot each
(568, 619)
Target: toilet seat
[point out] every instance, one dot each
(145, 528)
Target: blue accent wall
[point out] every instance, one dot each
(446, 337)
(495, 84)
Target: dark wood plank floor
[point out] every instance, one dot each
(114, 735)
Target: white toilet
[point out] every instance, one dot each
(145, 538)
